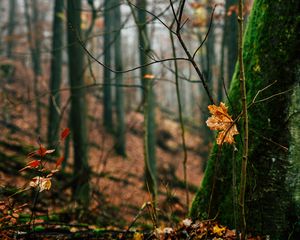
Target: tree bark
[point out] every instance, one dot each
(107, 94)
(34, 40)
(149, 101)
(120, 113)
(272, 194)
(78, 105)
(231, 39)
(11, 27)
(56, 71)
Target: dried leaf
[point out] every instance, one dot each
(219, 230)
(222, 121)
(41, 182)
(65, 133)
(42, 152)
(74, 229)
(187, 222)
(31, 164)
(149, 76)
(138, 236)
(15, 215)
(59, 161)
(34, 163)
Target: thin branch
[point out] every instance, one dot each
(207, 32)
(153, 15)
(185, 157)
(190, 58)
(131, 69)
(245, 122)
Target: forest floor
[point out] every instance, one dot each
(118, 191)
(120, 206)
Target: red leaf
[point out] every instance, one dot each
(34, 163)
(31, 164)
(43, 151)
(65, 133)
(59, 161)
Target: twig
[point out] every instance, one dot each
(207, 32)
(245, 122)
(183, 45)
(136, 218)
(185, 157)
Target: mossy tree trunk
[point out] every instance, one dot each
(78, 105)
(271, 53)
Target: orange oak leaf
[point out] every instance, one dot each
(222, 121)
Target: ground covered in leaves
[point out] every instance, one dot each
(120, 205)
(205, 230)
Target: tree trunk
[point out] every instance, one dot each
(56, 70)
(78, 105)
(11, 27)
(231, 39)
(149, 101)
(34, 40)
(271, 52)
(120, 130)
(107, 98)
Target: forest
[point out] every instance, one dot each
(150, 119)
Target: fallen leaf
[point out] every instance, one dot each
(187, 222)
(74, 229)
(138, 236)
(219, 230)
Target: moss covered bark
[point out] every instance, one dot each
(271, 53)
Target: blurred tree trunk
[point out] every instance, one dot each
(149, 100)
(208, 62)
(210, 50)
(231, 38)
(273, 187)
(78, 116)
(107, 98)
(35, 41)
(56, 70)
(120, 128)
(1, 16)
(11, 27)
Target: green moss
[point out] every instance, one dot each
(39, 228)
(271, 50)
